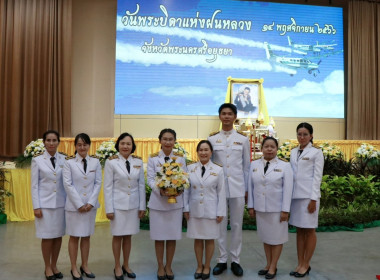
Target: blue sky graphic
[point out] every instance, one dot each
(178, 84)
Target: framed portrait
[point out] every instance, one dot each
(246, 99)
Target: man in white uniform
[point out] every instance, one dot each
(232, 151)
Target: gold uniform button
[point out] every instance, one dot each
(55, 174)
(228, 176)
(201, 194)
(55, 190)
(55, 181)
(129, 194)
(228, 156)
(201, 202)
(228, 146)
(129, 186)
(84, 194)
(85, 178)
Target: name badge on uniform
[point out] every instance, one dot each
(254, 170)
(137, 166)
(305, 158)
(238, 143)
(219, 141)
(277, 170)
(61, 166)
(213, 174)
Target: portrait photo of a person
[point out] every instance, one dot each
(245, 98)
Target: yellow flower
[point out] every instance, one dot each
(169, 172)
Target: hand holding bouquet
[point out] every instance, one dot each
(172, 180)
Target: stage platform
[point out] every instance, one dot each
(338, 256)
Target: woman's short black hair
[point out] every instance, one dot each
(169, 130)
(308, 126)
(85, 138)
(44, 136)
(269, 138)
(121, 137)
(204, 142)
(228, 105)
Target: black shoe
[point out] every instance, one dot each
(299, 275)
(169, 277)
(88, 275)
(205, 276)
(51, 277)
(159, 277)
(219, 268)
(130, 275)
(75, 278)
(121, 277)
(271, 276)
(236, 269)
(58, 275)
(292, 273)
(197, 275)
(262, 272)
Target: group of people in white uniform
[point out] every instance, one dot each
(65, 194)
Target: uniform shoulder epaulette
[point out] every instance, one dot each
(242, 133)
(317, 147)
(154, 154)
(70, 157)
(94, 156)
(217, 164)
(113, 157)
(214, 133)
(134, 156)
(178, 154)
(38, 154)
(283, 159)
(190, 162)
(62, 153)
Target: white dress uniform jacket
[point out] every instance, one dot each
(47, 184)
(156, 201)
(307, 172)
(82, 187)
(123, 190)
(206, 197)
(232, 151)
(272, 191)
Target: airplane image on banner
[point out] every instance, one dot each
(292, 62)
(312, 48)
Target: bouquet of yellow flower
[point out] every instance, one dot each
(173, 179)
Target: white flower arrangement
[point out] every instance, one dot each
(33, 148)
(106, 150)
(331, 150)
(367, 151)
(180, 150)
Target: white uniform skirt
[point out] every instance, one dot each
(165, 225)
(80, 224)
(201, 228)
(52, 223)
(125, 222)
(300, 216)
(269, 228)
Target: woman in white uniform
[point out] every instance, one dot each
(307, 164)
(124, 197)
(82, 178)
(165, 219)
(48, 196)
(269, 197)
(204, 206)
